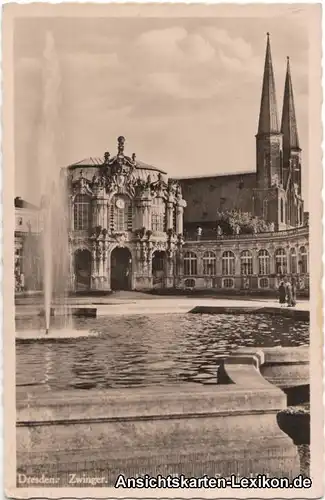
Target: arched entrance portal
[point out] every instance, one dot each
(82, 269)
(158, 269)
(121, 269)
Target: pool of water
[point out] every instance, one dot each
(133, 351)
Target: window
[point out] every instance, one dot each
(120, 214)
(303, 260)
(81, 212)
(281, 210)
(158, 215)
(246, 263)
(209, 264)
(264, 283)
(190, 264)
(228, 263)
(263, 262)
(189, 283)
(293, 261)
(265, 207)
(228, 283)
(280, 261)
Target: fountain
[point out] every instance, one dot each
(54, 212)
(48, 257)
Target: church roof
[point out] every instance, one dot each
(268, 120)
(214, 176)
(289, 122)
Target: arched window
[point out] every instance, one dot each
(228, 263)
(263, 262)
(190, 264)
(81, 212)
(209, 264)
(246, 263)
(158, 215)
(280, 261)
(120, 213)
(301, 215)
(303, 260)
(281, 210)
(293, 261)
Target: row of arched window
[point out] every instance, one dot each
(120, 217)
(246, 262)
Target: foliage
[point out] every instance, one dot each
(229, 220)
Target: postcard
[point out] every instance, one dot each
(163, 329)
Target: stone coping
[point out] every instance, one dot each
(279, 355)
(248, 392)
(297, 314)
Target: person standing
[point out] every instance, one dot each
(289, 293)
(293, 291)
(282, 294)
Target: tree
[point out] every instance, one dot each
(229, 220)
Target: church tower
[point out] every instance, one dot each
(291, 156)
(269, 137)
(269, 201)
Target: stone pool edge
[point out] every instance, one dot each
(221, 429)
(298, 314)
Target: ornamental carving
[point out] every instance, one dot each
(118, 175)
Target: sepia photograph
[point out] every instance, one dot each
(162, 250)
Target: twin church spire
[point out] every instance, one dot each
(268, 119)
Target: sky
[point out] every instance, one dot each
(184, 92)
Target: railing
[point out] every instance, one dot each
(211, 234)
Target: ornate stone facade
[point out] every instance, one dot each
(251, 262)
(126, 224)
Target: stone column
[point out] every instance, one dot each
(179, 219)
(238, 276)
(169, 214)
(255, 261)
(71, 214)
(288, 259)
(94, 266)
(199, 256)
(100, 262)
(144, 212)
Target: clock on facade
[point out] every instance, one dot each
(120, 203)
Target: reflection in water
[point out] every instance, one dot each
(133, 351)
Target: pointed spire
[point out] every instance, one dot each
(268, 122)
(289, 122)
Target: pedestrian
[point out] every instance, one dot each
(294, 291)
(22, 282)
(282, 294)
(289, 293)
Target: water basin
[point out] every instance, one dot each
(138, 351)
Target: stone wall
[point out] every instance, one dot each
(205, 195)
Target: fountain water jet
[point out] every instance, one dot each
(54, 214)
